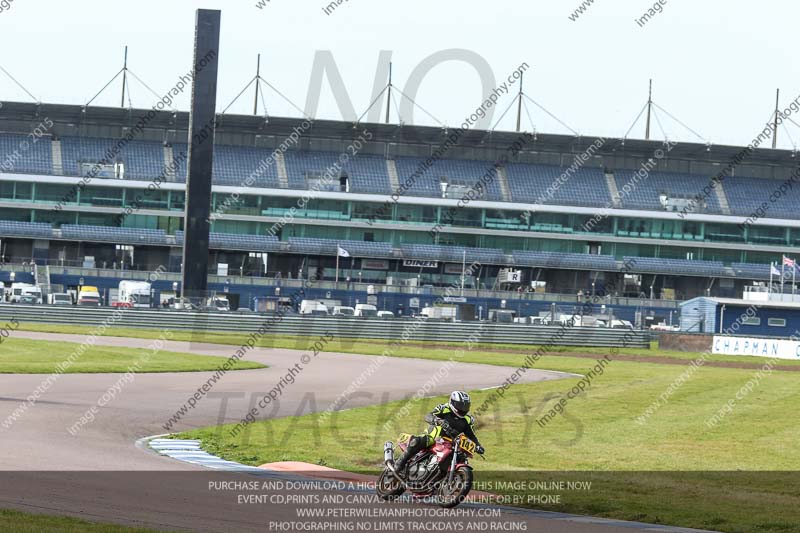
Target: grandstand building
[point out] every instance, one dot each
(83, 188)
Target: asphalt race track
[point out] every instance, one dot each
(100, 474)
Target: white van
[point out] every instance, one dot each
(313, 307)
(18, 290)
(366, 311)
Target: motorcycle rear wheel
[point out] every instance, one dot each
(388, 486)
(451, 494)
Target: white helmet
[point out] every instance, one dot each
(459, 403)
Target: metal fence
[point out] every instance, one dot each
(352, 328)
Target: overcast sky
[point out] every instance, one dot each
(715, 64)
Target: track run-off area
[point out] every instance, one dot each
(98, 473)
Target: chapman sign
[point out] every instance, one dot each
(781, 349)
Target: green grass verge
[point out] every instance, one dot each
(690, 481)
(26, 356)
(19, 522)
(481, 353)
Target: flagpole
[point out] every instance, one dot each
(463, 270)
(783, 266)
(337, 261)
(794, 277)
(771, 269)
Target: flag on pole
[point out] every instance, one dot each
(793, 264)
(783, 269)
(340, 252)
(773, 271)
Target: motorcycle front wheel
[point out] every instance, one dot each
(453, 493)
(388, 486)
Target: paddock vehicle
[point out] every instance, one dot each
(133, 294)
(88, 295)
(59, 298)
(440, 313)
(441, 472)
(366, 311)
(343, 311)
(183, 304)
(219, 303)
(313, 307)
(18, 290)
(621, 324)
(502, 316)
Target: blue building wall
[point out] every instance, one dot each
(714, 319)
(732, 314)
(20, 277)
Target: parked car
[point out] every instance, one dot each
(181, 304)
(343, 311)
(386, 315)
(59, 298)
(28, 299)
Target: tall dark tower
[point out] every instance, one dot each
(201, 153)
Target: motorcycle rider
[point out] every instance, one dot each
(449, 418)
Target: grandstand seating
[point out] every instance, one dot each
(251, 243)
(18, 153)
(565, 260)
(238, 241)
(235, 164)
(25, 229)
(751, 270)
(366, 173)
(454, 171)
(453, 254)
(143, 160)
(586, 187)
(678, 267)
(427, 183)
(111, 234)
(643, 192)
(315, 246)
(745, 196)
(487, 256)
(583, 187)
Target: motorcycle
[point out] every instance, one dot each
(441, 471)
